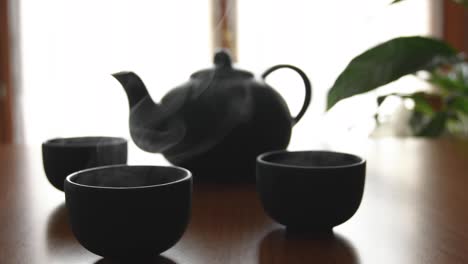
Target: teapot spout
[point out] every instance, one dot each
(134, 87)
(153, 127)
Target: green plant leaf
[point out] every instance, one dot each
(458, 103)
(433, 126)
(388, 62)
(421, 103)
(462, 2)
(451, 78)
(446, 83)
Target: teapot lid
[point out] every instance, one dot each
(223, 68)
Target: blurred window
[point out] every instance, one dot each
(70, 48)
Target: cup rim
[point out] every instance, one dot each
(68, 179)
(261, 159)
(89, 141)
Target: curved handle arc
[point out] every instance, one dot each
(307, 85)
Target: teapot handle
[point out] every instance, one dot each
(308, 87)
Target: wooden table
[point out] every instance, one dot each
(414, 210)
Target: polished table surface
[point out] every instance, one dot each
(414, 210)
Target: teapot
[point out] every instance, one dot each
(216, 123)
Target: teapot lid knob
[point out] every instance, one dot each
(222, 59)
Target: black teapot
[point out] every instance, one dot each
(216, 123)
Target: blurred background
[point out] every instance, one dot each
(57, 57)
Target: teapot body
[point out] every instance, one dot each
(227, 126)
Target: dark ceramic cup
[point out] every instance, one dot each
(63, 156)
(129, 213)
(310, 191)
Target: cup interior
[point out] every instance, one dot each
(310, 159)
(124, 176)
(85, 141)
